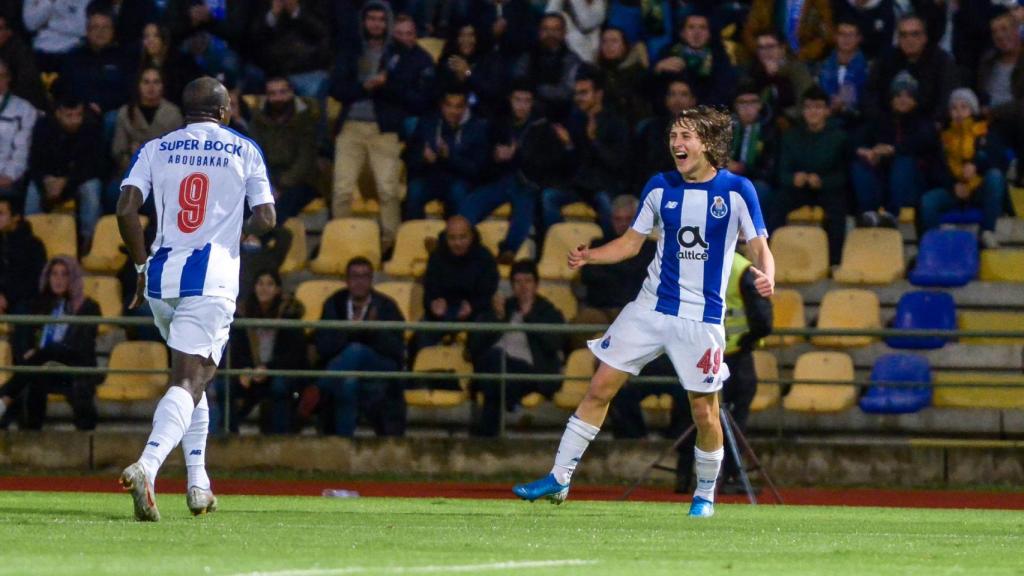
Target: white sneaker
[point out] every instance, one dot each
(989, 240)
(134, 478)
(200, 501)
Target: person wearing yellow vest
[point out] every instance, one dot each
(748, 319)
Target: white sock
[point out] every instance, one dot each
(578, 435)
(708, 464)
(171, 419)
(193, 444)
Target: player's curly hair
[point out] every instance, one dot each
(713, 127)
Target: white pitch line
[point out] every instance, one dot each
(494, 566)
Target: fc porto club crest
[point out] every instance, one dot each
(718, 207)
(606, 342)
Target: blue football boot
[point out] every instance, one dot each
(701, 508)
(546, 487)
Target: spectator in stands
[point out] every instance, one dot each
(876, 20)
(626, 78)
(58, 26)
(285, 129)
(754, 143)
(597, 140)
(98, 73)
(66, 161)
(22, 257)
(266, 349)
(60, 294)
(975, 179)
(507, 183)
(212, 32)
(960, 29)
(240, 113)
(900, 159)
(289, 40)
(17, 119)
(21, 67)
(583, 20)
(518, 352)
(381, 402)
(806, 26)
(844, 74)
(470, 65)
(609, 288)
(446, 156)
(1001, 71)
(175, 68)
(149, 116)
(699, 59)
(510, 24)
(650, 154)
(552, 66)
(460, 280)
(933, 69)
(781, 80)
(433, 18)
(378, 86)
(813, 161)
(130, 16)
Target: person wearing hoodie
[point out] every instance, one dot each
(22, 257)
(379, 86)
(626, 77)
(445, 156)
(699, 59)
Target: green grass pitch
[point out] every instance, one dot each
(70, 534)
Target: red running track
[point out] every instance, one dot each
(800, 496)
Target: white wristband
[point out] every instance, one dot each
(140, 268)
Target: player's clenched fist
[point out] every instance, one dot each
(578, 256)
(764, 284)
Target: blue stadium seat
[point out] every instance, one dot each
(882, 399)
(923, 310)
(946, 258)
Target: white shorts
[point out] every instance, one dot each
(639, 335)
(198, 325)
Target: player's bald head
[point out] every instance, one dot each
(206, 98)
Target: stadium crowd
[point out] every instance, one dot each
(861, 107)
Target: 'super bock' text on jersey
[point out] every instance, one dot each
(699, 225)
(200, 177)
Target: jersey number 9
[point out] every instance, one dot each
(192, 199)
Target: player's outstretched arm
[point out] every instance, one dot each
(622, 248)
(262, 220)
(764, 266)
(130, 226)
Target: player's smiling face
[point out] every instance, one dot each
(686, 148)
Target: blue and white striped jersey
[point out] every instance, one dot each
(699, 226)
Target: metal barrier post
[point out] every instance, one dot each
(227, 389)
(501, 390)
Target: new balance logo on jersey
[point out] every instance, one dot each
(709, 380)
(671, 204)
(153, 443)
(196, 452)
(689, 237)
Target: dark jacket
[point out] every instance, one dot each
(520, 33)
(912, 135)
(468, 149)
(713, 83)
(289, 146)
(876, 24)
(615, 285)
(781, 91)
(78, 348)
(130, 18)
(105, 77)
(543, 160)
(289, 351)
(387, 343)
(291, 45)
(626, 88)
(487, 84)
(600, 164)
(554, 74)
(823, 153)
(545, 348)
(987, 66)
(78, 156)
(22, 258)
(934, 71)
(232, 28)
(760, 154)
(472, 277)
(25, 80)
(650, 153)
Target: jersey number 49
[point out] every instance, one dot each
(707, 365)
(192, 200)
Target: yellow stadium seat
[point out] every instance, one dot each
(560, 239)
(787, 312)
(6, 359)
(440, 359)
(492, 232)
(871, 256)
(106, 291)
(657, 403)
(313, 293)
(908, 215)
(295, 259)
(106, 255)
(410, 255)
(834, 367)
(848, 308)
(766, 367)
(580, 363)
(531, 400)
(56, 232)
(502, 212)
(806, 215)
(365, 206)
(433, 46)
(1017, 200)
(991, 320)
(1002, 265)
(579, 211)
(562, 297)
(407, 294)
(434, 209)
(344, 239)
(135, 387)
(801, 254)
(333, 111)
(317, 205)
(1008, 396)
